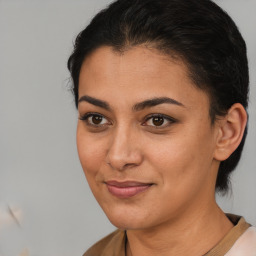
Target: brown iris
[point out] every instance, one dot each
(96, 119)
(157, 120)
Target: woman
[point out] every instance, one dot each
(161, 89)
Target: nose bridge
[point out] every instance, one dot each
(123, 150)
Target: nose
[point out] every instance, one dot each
(124, 151)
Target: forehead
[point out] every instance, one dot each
(141, 61)
(136, 74)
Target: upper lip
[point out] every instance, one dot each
(125, 184)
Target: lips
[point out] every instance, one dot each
(127, 189)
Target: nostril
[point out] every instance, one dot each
(129, 165)
(121, 164)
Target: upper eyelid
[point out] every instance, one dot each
(160, 115)
(90, 114)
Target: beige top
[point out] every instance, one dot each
(240, 241)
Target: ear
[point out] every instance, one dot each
(230, 132)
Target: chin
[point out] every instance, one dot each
(126, 224)
(127, 219)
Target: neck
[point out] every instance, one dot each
(191, 234)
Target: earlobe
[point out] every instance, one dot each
(230, 132)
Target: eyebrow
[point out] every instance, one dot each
(156, 101)
(95, 102)
(137, 107)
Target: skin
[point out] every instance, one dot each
(180, 158)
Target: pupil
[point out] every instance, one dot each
(157, 121)
(96, 119)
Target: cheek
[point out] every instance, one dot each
(173, 163)
(182, 160)
(91, 153)
(171, 152)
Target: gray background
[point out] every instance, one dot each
(41, 180)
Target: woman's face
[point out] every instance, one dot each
(144, 137)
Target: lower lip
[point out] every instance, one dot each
(127, 192)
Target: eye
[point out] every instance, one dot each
(95, 119)
(158, 121)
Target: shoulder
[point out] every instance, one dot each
(239, 241)
(113, 244)
(245, 244)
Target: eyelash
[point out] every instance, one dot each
(86, 117)
(169, 119)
